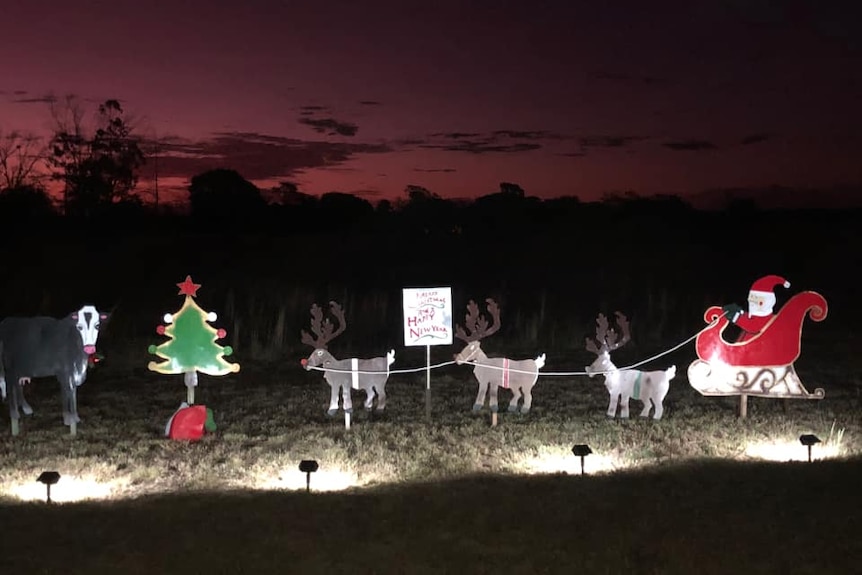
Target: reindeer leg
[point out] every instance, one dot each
(516, 397)
(528, 400)
(381, 397)
(480, 397)
(624, 405)
(333, 398)
(346, 399)
(369, 397)
(492, 401)
(612, 406)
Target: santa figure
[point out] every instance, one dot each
(761, 301)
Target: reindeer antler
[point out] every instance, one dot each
(623, 323)
(606, 336)
(477, 323)
(323, 327)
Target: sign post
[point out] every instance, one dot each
(427, 321)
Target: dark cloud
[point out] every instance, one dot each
(256, 156)
(370, 103)
(330, 126)
(46, 99)
(754, 139)
(690, 145)
(573, 154)
(497, 141)
(483, 146)
(455, 135)
(608, 141)
(308, 110)
(435, 170)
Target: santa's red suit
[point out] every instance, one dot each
(751, 325)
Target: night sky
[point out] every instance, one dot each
(562, 98)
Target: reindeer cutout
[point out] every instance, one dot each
(493, 373)
(369, 375)
(650, 387)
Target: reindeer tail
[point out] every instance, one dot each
(540, 361)
(390, 357)
(671, 372)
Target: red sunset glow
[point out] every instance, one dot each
(562, 98)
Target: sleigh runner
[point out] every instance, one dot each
(761, 366)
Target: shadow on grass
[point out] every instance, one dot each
(697, 517)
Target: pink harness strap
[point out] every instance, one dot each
(505, 373)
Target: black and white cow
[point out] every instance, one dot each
(33, 347)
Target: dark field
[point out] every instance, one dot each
(689, 493)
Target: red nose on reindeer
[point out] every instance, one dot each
(303, 362)
(89, 349)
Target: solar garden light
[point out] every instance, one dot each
(48, 478)
(808, 440)
(308, 466)
(581, 450)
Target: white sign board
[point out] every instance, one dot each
(427, 316)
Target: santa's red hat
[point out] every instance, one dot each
(766, 285)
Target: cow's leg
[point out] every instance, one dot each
(12, 394)
(381, 396)
(480, 396)
(22, 403)
(333, 398)
(516, 397)
(70, 402)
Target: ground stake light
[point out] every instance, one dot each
(48, 478)
(308, 466)
(808, 440)
(581, 450)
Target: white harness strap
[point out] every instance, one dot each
(354, 366)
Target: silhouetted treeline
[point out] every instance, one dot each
(551, 264)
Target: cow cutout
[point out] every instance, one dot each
(33, 347)
(492, 373)
(343, 375)
(649, 387)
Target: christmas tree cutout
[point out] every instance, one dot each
(192, 346)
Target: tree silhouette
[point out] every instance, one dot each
(224, 195)
(98, 170)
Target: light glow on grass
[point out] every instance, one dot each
(559, 459)
(69, 489)
(790, 450)
(326, 478)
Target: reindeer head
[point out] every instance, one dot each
(88, 320)
(324, 332)
(605, 342)
(478, 327)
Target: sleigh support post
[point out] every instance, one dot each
(743, 406)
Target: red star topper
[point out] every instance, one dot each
(188, 287)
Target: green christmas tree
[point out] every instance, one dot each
(192, 345)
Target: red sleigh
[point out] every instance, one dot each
(762, 365)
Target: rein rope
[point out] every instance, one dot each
(511, 369)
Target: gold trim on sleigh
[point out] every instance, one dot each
(776, 381)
